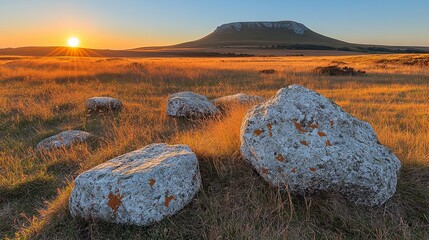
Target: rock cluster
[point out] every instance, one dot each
(297, 140)
(71, 137)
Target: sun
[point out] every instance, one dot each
(73, 42)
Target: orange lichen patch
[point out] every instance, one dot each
(293, 170)
(312, 169)
(299, 127)
(280, 158)
(270, 126)
(332, 123)
(151, 182)
(115, 200)
(328, 143)
(314, 125)
(322, 134)
(257, 132)
(264, 170)
(168, 199)
(303, 142)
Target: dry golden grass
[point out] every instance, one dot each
(43, 96)
(218, 139)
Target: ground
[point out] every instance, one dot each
(42, 96)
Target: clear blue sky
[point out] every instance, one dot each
(124, 24)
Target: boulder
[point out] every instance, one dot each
(303, 141)
(103, 104)
(237, 99)
(139, 188)
(64, 139)
(190, 105)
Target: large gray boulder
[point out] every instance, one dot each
(190, 105)
(302, 140)
(140, 187)
(230, 101)
(102, 104)
(64, 140)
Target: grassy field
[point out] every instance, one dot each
(40, 97)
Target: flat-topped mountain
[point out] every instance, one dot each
(263, 34)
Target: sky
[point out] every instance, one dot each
(126, 24)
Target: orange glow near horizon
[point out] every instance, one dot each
(90, 36)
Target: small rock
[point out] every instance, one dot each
(140, 187)
(190, 105)
(304, 141)
(64, 139)
(103, 104)
(237, 99)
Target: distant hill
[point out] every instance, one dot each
(87, 52)
(66, 51)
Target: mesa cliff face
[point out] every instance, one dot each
(297, 28)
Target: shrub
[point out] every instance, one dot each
(338, 71)
(268, 71)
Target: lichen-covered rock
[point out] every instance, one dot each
(190, 105)
(140, 187)
(237, 99)
(64, 139)
(304, 141)
(103, 104)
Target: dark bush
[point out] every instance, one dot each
(338, 71)
(268, 71)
